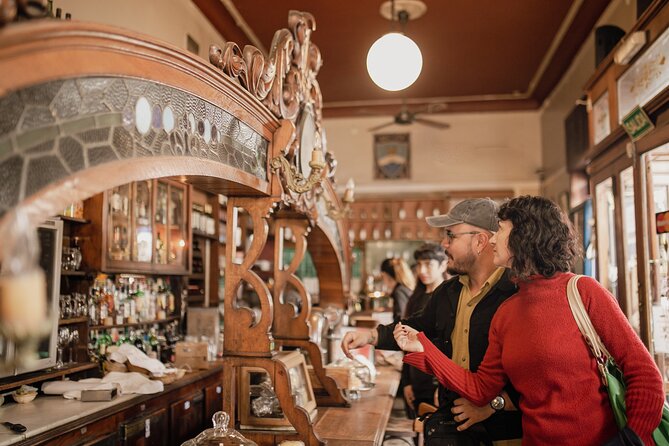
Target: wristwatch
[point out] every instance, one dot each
(498, 403)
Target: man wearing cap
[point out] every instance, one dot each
(457, 319)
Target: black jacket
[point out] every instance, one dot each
(437, 321)
(423, 385)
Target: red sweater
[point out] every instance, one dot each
(535, 344)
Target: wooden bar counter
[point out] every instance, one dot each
(181, 411)
(364, 423)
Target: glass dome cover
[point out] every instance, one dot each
(220, 434)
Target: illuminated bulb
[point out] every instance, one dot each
(394, 62)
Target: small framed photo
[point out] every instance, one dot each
(392, 157)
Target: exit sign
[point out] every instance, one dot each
(637, 123)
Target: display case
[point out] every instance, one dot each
(141, 226)
(259, 406)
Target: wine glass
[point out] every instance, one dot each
(63, 338)
(73, 341)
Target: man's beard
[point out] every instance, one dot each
(464, 266)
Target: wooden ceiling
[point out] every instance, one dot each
(482, 55)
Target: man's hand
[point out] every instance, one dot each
(357, 339)
(408, 395)
(468, 414)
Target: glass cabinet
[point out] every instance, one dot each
(656, 170)
(146, 227)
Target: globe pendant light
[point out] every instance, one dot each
(394, 61)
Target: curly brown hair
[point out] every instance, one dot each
(543, 240)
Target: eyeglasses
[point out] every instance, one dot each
(453, 235)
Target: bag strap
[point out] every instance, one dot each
(593, 340)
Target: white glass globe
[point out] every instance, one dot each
(394, 62)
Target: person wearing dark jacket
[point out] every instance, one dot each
(417, 386)
(399, 282)
(457, 318)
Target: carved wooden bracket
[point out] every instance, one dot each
(243, 335)
(287, 324)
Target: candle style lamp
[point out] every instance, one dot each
(345, 211)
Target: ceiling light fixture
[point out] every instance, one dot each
(394, 61)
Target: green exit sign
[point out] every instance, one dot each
(637, 123)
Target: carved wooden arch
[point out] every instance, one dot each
(48, 63)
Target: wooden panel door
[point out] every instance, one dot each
(186, 418)
(147, 430)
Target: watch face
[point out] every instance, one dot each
(498, 403)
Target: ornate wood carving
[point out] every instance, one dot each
(287, 324)
(287, 77)
(289, 329)
(243, 335)
(278, 372)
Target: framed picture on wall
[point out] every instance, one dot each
(392, 157)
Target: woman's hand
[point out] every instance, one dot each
(407, 338)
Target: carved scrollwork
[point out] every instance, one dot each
(286, 78)
(11, 10)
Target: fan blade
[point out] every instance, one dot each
(431, 123)
(379, 127)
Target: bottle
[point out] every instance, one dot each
(160, 249)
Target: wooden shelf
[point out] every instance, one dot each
(197, 233)
(42, 375)
(198, 276)
(65, 272)
(81, 221)
(138, 324)
(74, 320)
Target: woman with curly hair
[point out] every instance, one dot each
(536, 345)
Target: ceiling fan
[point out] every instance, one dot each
(406, 117)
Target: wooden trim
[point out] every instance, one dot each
(36, 52)
(578, 32)
(225, 24)
(646, 21)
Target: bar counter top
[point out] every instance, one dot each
(47, 412)
(364, 423)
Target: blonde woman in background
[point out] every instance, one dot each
(399, 282)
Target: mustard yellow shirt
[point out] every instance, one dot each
(466, 306)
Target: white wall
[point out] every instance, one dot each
(168, 20)
(479, 151)
(562, 100)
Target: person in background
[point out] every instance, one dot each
(419, 387)
(398, 282)
(536, 345)
(457, 318)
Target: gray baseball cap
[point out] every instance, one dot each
(479, 212)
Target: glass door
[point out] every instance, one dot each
(177, 225)
(161, 225)
(142, 230)
(629, 248)
(656, 164)
(119, 223)
(607, 271)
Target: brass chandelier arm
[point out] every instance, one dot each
(295, 181)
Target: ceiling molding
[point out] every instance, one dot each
(241, 24)
(244, 23)
(219, 16)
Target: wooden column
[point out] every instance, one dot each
(290, 329)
